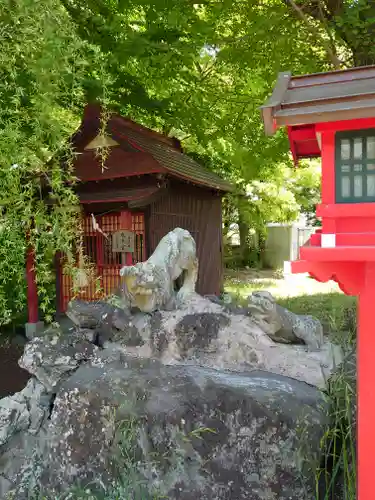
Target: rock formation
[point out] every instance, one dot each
(217, 409)
(209, 334)
(191, 432)
(191, 399)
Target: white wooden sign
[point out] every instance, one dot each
(123, 241)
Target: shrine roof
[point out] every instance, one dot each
(166, 151)
(321, 97)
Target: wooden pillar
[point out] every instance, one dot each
(126, 225)
(328, 178)
(32, 290)
(365, 387)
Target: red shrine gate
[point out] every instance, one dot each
(98, 248)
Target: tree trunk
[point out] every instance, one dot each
(244, 231)
(354, 25)
(261, 247)
(226, 218)
(362, 57)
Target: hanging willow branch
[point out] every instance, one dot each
(42, 91)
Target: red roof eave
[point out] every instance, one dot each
(303, 142)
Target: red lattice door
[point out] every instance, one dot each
(106, 263)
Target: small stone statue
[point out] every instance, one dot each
(283, 326)
(167, 278)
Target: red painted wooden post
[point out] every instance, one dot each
(99, 244)
(345, 249)
(128, 259)
(59, 283)
(32, 290)
(144, 239)
(328, 167)
(365, 387)
(328, 178)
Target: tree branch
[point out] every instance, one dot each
(337, 64)
(323, 19)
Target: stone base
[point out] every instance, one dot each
(33, 330)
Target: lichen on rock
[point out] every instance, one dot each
(151, 285)
(204, 399)
(197, 432)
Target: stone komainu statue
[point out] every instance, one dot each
(167, 278)
(283, 326)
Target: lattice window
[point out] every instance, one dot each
(107, 263)
(355, 166)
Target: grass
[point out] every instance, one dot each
(336, 477)
(337, 474)
(301, 295)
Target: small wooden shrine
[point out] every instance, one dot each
(332, 115)
(147, 187)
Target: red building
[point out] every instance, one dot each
(147, 187)
(332, 116)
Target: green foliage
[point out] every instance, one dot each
(200, 72)
(196, 71)
(12, 270)
(339, 477)
(343, 28)
(41, 64)
(289, 192)
(306, 185)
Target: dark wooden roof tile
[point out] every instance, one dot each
(177, 163)
(142, 142)
(318, 98)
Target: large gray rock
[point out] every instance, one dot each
(19, 465)
(208, 334)
(189, 431)
(107, 321)
(197, 332)
(89, 314)
(22, 418)
(26, 410)
(14, 417)
(211, 406)
(53, 355)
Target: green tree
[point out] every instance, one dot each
(42, 67)
(200, 72)
(345, 28)
(196, 71)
